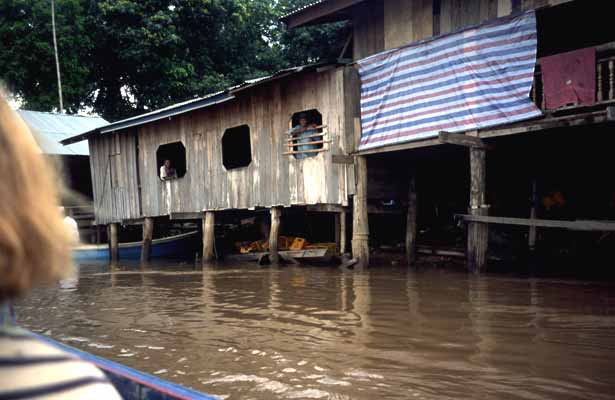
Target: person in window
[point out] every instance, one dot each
(35, 248)
(167, 171)
(302, 132)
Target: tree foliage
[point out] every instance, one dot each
(124, 57)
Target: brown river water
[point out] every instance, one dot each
(240, 331)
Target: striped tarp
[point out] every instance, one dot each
(475, 78)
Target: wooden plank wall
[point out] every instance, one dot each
(379, 26)
(113, 161)
(272, 178)
(407, 21)
(368, 28)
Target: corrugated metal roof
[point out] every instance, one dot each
(50, 128)
(193, 104)
(300, 9)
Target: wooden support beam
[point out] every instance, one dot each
(337, 231)
(531, 237)
(209, 239)
(460, 139)
(185, 215)
(478, 234)
(318, 10)
(274, 233)
(411, 221)
(333, 208)
(340, 231)
(342, 159)
(360, 222)
(342, 246)
(578, 225)
(114, 249)
(148, 233)
(360, 225)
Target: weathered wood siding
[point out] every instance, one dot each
(272, 178)
(368, 28)
(113, 161)
(385, 24)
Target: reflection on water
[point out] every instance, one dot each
(246, 332)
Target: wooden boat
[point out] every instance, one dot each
(130, 383)
(169, 247)
(315, 253)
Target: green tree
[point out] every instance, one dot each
(126, 57)
(26, 53)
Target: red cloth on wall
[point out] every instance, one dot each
(569, 78)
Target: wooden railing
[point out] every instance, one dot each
(318, 138)
(605, 72)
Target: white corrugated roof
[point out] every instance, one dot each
(50, 128)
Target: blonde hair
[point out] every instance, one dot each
(35, 245)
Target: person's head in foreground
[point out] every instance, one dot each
(35, 248)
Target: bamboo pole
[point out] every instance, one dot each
(304, 151)
(295, 138)
(295, 144)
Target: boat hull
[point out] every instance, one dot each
(130, 383)
(171, 247)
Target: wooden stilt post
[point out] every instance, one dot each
(478, 233)
(411, 221)
(360, 225)
(209, 236)
(148, 233)
(114, 250)
(531, 237)
(274, 257)
(342, 217)
(338, 232)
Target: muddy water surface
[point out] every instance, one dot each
(239, 331)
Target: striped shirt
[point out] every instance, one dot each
(32, 369)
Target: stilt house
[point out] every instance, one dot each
(547, 173)
(230, 151)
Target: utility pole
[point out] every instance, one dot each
(55, 48)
